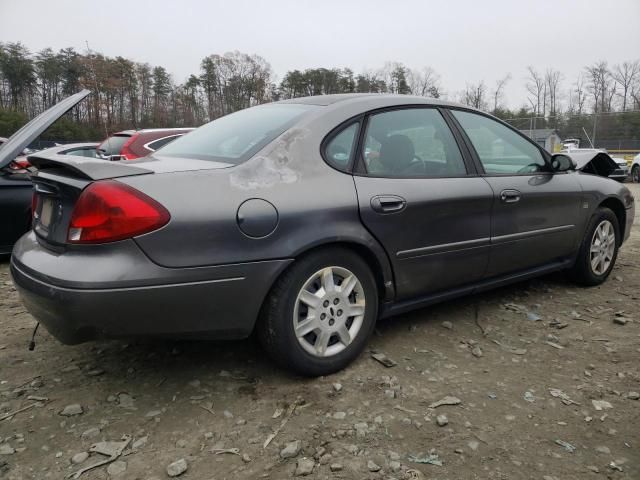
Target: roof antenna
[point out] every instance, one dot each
(95, 82)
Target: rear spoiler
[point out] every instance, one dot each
(86, 168)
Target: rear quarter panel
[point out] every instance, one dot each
(316, 204)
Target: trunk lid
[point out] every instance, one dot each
(29, 132)
(58, 183)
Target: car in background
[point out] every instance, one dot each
(16, 188)
(307, 220)
(597, 160)
(132, 144)
(635, 169)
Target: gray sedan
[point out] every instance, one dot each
(306, 221)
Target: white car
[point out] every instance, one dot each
(635, 169)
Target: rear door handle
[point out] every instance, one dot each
(510, 196)
(388, 203)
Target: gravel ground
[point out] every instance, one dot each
(540, 380)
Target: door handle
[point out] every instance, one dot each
(388, 203)
(510, 196)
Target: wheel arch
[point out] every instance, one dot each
(616, 206)
(370, 251)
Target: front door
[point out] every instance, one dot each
(535, 211)
(418, 199)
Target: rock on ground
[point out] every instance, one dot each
(177, 468)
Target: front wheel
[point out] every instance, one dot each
(598, 250)
(635, 174)
(320, 313)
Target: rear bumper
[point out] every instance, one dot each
(136, 297)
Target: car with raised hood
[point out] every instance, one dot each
(132, 144)
(596, 161)
(16, 189)
(306, 220)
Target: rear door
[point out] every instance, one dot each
(535, 211)
(421, 200)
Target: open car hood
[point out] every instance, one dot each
(29, 132)
(597, 163)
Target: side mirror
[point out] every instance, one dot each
(562, 163)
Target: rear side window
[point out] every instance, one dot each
(501, 150)
(81, 152)
(161, 142)
(339, 150)
(113, 145)
(237, 137)
(411, 142)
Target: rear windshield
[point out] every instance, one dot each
(113, 145)
(237, 137)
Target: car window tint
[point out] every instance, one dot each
(161, 142)
(413, 142)
(340, 148)
(501, 150)
(238, 136)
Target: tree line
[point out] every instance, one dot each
(129, 94)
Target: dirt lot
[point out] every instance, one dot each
(528, 375)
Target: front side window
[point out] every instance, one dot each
(413, 142)
(238, 136)
(340, 148)
(501, 150)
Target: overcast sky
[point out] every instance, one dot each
(465, 41)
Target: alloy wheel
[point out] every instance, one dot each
(603, 244)
(329, 311)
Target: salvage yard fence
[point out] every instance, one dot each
(617, 132)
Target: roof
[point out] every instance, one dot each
(325, 100)
(539, 133)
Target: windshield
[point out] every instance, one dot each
(237, 137)
(113, 145)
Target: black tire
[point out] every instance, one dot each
(582, 272)
(275, 329)
(635, 174)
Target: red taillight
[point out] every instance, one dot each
(19, 164)
(126, 152)
(107, 211)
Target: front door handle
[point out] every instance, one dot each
(510, 196)
(388, 203)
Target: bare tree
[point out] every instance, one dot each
(474, 95)
(601, 85)
(537, 92)
(425, 82)
(578, 96)
(498, 92)
(625, 76)
(552, 80)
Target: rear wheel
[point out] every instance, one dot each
(635, 174)
(320, 313)
(598, 250)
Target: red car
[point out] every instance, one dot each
(131, 144)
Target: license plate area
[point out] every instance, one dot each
(46, 212)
